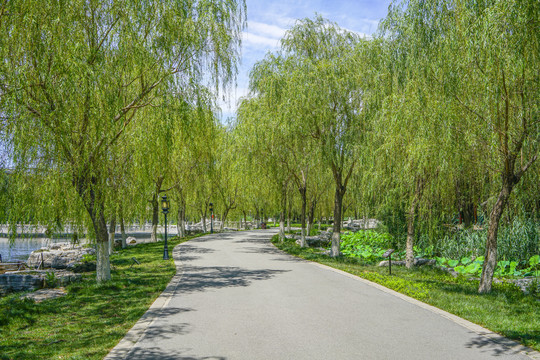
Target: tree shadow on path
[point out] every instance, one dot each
(500, 347)
(202, 278)
(162, 354)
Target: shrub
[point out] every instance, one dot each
(367, 245)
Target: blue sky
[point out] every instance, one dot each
(268, 21)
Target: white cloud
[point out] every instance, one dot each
(258, 41)
(262, 29)
(263, 36)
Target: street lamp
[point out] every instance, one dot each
(165, 207)
(211, 218)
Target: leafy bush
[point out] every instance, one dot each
(505, 268)
(88, 258)
(367, 245)
(50, 279)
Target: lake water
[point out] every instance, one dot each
(21, 249)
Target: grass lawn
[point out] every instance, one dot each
(506, 310)
(91, 319)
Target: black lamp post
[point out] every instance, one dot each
(211, 218)
(165, 207)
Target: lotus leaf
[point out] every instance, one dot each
(473, 268)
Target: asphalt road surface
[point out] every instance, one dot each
(238, 297)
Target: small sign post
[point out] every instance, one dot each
(388, 254)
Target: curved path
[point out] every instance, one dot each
(238, 297)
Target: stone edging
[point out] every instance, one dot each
(123, 348)
(496, 338)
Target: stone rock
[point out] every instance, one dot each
(417, 262)
(449, 270)
(59, 259)
(523, 284)
(45, 294)
(362, 224)
(10, 282)
(327, 235)
(131, 240)
(313, 241)
(29, 280)
(84, 267)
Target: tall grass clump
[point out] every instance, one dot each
(517, 240)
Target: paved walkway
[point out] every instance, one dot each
(238, 297)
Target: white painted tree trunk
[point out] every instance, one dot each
(303, 238)
(111, 243)
(104, 267)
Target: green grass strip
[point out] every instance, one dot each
(506, 310)
(91, 319)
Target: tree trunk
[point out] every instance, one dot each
(123, 231)
(181, 225)
(490, 261)
(468, 214)
(282, 214)
(409, 252)
(112, 232)
(103, 265)
(155, 218)
(311, 216)
(224, 218)
(303, 191)
(336, 235)
(95, 210)
(245, 220)
(289, 215)
(203, 220)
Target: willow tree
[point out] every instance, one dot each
(494, 75)
(288, 154)
(484, 59)
(197, 130)
(409, 170)
(261, 150)
(76, 74)
(331, 78)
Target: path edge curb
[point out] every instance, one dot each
(492, 336)
(124, 347)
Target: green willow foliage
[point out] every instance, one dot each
(438, 114)
(75, 75)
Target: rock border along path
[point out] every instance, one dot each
(265, 313)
